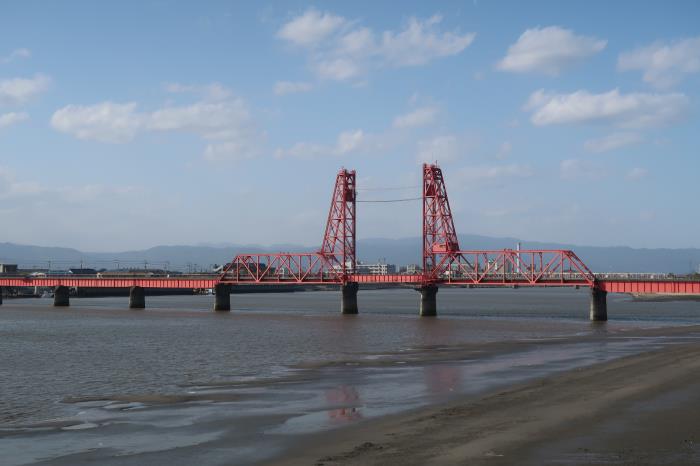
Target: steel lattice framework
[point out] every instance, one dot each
(439, 234)
(335, 262)
(338, 247)
(444, 262)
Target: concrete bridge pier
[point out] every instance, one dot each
(599, 305)
(61, 296)
(222, 296)
(428, 300)
(137, 297)
(348, 302)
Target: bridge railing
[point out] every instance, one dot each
(109, 276)
(637, 276)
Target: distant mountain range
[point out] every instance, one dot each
(395, 251)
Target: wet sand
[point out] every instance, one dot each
(637, 410)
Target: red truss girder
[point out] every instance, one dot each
(333, 263)
(281, 268)
(507, 267)
(443, 262)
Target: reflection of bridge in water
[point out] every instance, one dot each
(444, 264)
(344, 403)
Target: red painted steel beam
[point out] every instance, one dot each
(84, 282)
(292, 268)
(671, 287)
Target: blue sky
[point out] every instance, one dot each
(130, 124)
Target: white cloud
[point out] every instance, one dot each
(349, 141)
(92, 192)
(357, 42)
(213, 91)
(211, 120)
(340, 50)
(346, 143)
(12, 118)
(239, 149)
(338, 69)
(571, 169)
(310, 28)
(289, 87)
(17, 91)
(10, 187)
(490, 172)
(226, 123)
(549, 50)
(419, 43)
(613, 141)
(28, 191)
(637, 173)
(419, 117)
(634, 110)
(504, 150)
(444, 149)
(17, 53)
(306, 150)
(663, 64)
(105, 122)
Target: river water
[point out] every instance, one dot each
(97, 383)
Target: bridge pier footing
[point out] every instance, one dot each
(222, 297)
(348, 299)
(599, 305)
(428, 300)
(137, 297)
(61, 296)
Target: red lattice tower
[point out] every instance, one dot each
(439, 235)
(338, 247)
(334, 263)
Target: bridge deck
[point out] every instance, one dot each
(641, 286)
(122, 282)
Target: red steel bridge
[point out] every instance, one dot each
(335, 263)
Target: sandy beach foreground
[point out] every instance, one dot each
(637, 410)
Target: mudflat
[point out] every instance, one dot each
(637, 410)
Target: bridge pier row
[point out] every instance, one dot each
(428, 300)
(61, 296)
(222, 297)
(348, 300)
(599, 305)
(137, 297)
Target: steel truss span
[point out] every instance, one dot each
(333, 263)
(444, 262)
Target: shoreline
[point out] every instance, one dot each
(602, 413)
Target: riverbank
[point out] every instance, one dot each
(640, 409)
